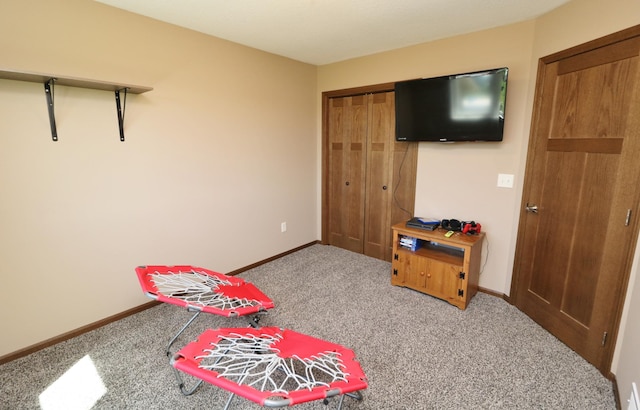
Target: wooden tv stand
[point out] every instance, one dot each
(446, 268)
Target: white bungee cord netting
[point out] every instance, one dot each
(198, 288)
(252, 360)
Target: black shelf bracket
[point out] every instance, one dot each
(120, 108)
(49, 79)
(48, 91)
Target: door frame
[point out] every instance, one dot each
(326, 96)
(617, 309)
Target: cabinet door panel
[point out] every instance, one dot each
(443, 279)
(411, 270)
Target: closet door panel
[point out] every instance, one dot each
(381, 134)
(348, 133)
(335, 174)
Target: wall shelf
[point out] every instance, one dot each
(49, 80)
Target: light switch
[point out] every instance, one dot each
(505, 180)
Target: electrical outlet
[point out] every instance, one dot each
(283, 227)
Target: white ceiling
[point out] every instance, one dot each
(326, 31)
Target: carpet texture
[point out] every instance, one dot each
(418, 352)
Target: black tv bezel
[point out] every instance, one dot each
(498, 136)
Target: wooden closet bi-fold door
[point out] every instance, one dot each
(371, 177)
(347, 145)
(391, 166)
(381, 122)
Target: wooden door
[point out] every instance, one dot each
(360, 148)
(578, 226)
(390, 193)
(347, 123)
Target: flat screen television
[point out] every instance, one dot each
(460, 107)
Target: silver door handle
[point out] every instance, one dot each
(531, 208)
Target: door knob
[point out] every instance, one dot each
(531, 208)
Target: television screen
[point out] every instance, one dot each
(461, 107)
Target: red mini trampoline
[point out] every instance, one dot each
(271, 366)
(202, 290)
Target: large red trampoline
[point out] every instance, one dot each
(271, 366)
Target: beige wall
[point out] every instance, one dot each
(225, 147)
(218, 155)
(459, 180)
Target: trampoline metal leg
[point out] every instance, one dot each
(172, 341)
(226, 406)
(254, 321)
(356, 395)
(181, 384)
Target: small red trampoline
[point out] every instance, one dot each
(199, 289)
(202, 290)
